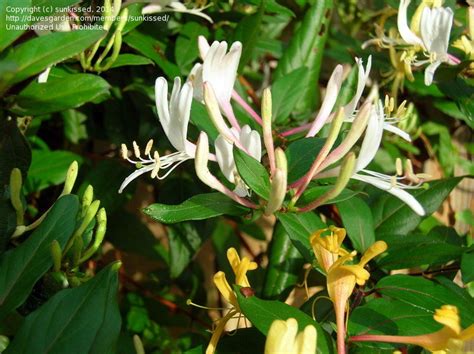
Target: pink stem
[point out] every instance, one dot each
(296, 130)
(246, 107)
(229, 113)
(453, 60)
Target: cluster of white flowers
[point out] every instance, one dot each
(212, 83)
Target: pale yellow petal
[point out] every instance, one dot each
(306, 341)
(224, 288)
(448, 316)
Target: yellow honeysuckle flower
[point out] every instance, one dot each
(451, 339)
(341, 281)
(283, 338)
(240, 268)
(327, 249)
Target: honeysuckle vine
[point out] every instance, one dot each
(212, 83)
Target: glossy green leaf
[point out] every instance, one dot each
(186, 50)
(70, 91)
(284, 266)
(467, 266)
(37, 54)
(428, 295)
(390, 213)
(440, 246)
(130, 60)
(11, 20)
(286, 91)
(299, 228)
(306, 48)
(85, 319)
(358, 222)
(14, 150)
(21, 267)
(184, 239)
(198, 207)
(253, 173)
(313, 192)
(49, 168)
(263, 312)
(300, 155)
(153, 49)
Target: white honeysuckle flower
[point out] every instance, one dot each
(402, 23)
(251, 142)
(219, 69)
(435, 29)
(370, 146)
(174, 6)
(362, 78)
(332, 91)
(174, 117)
(202, 171)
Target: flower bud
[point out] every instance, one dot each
(70, 178)
(15, 194)
(278, 192)
(56, 254)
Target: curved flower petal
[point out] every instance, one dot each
(402, 24)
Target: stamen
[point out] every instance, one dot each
(189, 302)
(136, 149)
(148, 147)
(398, 166)
(124, 151)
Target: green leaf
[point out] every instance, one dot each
(70, 91)
(253, 173)
(393, 317)
(74, 125)
(262, 313)
(300, 155)
(21, 267)
(247, 32)
(10, 19)
(440, 246)
(284, 266)
(185, 239)
(153, 49)
(314, 192)
(130, 59)
(300, 227)
(467, 266)
(14, 150)
(428, 295)
(198, 207)
(186, 50)
(201, 120)
(358, 221)
(286, 91)
(306, 48)
(390, 213)
(37, 54)
(85, 319)
(49, 168)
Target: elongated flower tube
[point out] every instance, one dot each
(362, 78)
(450, 339)
(267, 127)
(219, 69)
(341, 281)
(202, 171)
(283, 338)
(327, 249)
(240, 267)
